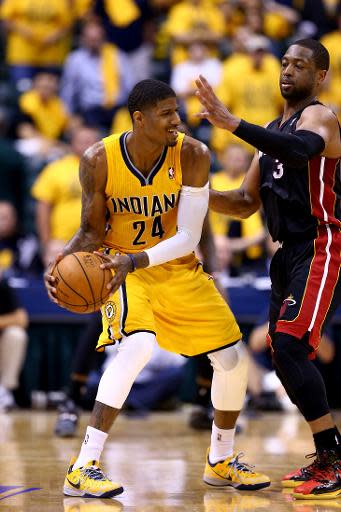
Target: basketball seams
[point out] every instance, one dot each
(87, 279)
(102, 296)
(81, 289)
(73, 290)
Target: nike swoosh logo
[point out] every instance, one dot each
(226, 477)
(76, 486)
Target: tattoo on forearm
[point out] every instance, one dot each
(90, 235)
(81, 242)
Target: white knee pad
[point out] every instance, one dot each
(134, 352)
(230, 372)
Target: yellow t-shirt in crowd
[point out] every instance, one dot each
(121, 121)
(187, 18)
(50, 118)
(42, 17)
(332, 42)
(251, 94)
(81, 7)
(220, 223)
(330, 95)
(58, 184)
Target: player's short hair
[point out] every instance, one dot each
(147, 93)
(320, 52)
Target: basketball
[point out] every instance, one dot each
(80, 282)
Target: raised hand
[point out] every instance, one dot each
(215, 111)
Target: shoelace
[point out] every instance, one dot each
(95, 473)
(239, 466)
(313, 465)
(321, 467)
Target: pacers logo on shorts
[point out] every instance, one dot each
(110, 311)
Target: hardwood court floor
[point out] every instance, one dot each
(158, 459)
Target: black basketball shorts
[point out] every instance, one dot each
(306, 286)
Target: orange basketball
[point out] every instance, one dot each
(80, 282)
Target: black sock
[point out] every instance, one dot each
(328, 440)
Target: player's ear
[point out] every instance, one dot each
(321, 76)
(138, 117)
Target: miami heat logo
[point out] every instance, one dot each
(289, 301)
(171, 173)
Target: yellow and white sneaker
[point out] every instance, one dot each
(232, 472)
(89, 481)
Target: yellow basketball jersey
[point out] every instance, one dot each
(142, 211)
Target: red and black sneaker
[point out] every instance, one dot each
(301, 475)
(326, 480)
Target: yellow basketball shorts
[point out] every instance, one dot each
(177, 302)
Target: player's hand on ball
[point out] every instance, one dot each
(49, 280)
(121, 264)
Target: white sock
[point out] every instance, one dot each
(92, 446)
(222, 442)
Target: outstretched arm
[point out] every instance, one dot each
(294, 149)
(241, 202)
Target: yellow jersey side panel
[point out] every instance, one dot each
(142, 210)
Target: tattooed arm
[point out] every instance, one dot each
(90, 235)
(93, 176)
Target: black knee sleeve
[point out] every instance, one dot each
(299, 376)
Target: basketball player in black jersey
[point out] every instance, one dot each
(295, 174)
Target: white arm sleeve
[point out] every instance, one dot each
(193, 204)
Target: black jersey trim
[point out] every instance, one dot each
(214, 349)
(117, 341)
(157, 167)
(134, 170)
(140, 330)
(295, 116)
(125, 308)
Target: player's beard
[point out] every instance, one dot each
(296, 94)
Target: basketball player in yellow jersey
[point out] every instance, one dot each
(144, 199)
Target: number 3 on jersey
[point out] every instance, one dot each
(278, 173)
(140, 226)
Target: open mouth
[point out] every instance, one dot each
(173, 132)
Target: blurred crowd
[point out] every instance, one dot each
(66, 69)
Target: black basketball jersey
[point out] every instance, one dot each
(297, 200)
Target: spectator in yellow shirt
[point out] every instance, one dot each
(332, 41)
(38, 36)
(238, 241)
(193, 20)
(184, 75)
(249, 87)
(42, 107)
(58, 194)
(330, 94)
